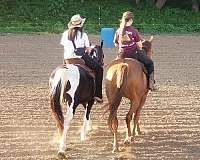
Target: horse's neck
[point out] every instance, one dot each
(145, 50)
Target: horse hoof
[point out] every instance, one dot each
(115, 150)
(132, 139)
(141, 133)
(61, 155)
(127, 141)
(83, 138)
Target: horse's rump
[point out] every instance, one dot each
(125, 60)
(132, 63)
(136, 76)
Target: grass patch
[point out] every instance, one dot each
(52, 16)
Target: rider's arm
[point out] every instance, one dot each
(138, 40)
(139, 45)
(88, 50)
(122, 27)
(116, 40)
(87, 43)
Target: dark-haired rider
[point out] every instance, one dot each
(74, 34)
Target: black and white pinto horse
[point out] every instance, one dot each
(71, 85)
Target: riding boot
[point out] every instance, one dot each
(152, 86)
(98, 81)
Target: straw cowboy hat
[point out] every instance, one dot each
(76, 21)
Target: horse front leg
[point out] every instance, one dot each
(86, 121)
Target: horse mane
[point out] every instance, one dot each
(146, 46)
(99, 56)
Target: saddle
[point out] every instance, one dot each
(116, 61)
(80, 62)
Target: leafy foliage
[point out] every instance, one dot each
(53, 15)
(56, 7)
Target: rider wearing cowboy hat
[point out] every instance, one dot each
(73, 38)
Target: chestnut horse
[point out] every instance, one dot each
(127, 78)
(71, 85)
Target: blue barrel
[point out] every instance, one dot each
(107, 35)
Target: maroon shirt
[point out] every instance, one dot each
(131, 37)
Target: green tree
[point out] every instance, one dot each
(160, 3)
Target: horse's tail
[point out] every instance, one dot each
(117, 97)
(56, 98)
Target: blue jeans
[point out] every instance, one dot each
(141, 57)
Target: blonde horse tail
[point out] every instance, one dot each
(117, 97)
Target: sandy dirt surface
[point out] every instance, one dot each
(170, 117)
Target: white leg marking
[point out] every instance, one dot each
(89, 125)
(127, 140)
(73, 76)
(84, 128)
(67, 121)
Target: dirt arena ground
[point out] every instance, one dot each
(170, 117)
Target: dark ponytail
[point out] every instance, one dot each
(72, 33)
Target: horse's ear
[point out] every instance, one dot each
(151, 39)
(102, 44)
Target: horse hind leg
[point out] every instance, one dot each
(129, 116)
(138, 123)
(129, 136)
(135, 124)
(113, 124)
(67, 122)
(137, 117)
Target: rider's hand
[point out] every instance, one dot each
(116, 45)
(88, 50)
(139, 45)
(121, 50)
(123, 23)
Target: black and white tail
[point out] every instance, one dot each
(58, 86)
